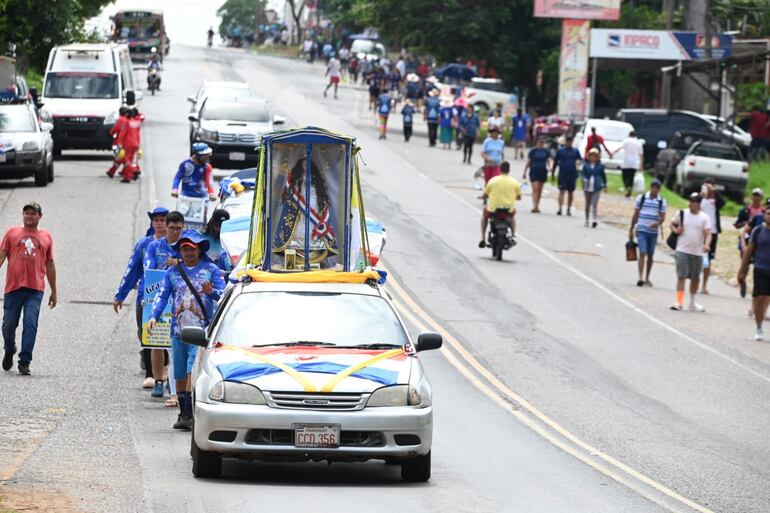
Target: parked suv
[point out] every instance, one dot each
(657, 127)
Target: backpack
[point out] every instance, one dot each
(641, 203)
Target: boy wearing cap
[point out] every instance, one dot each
(187, 310)
(493, 153)
(133, 277)
(29, 251)
(693, 228)
(649, 214)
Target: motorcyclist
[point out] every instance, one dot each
(195, 174)
(501, 191)
(154, 64)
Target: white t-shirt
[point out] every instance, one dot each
(709, 207)
(495, 121)
(691, 240)
(334, 68)
(633, 149)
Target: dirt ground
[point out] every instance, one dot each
(15, 500)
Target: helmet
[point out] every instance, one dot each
(201, 149)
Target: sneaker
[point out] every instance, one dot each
(759, 336)
(586, 225)
(647, 283)
(482, 244)
(569, 213)
(157, 391)
(148, 383)
(594, 224)
(111, 175)
(695, 307)
(640, 283)
(183, 422)
(558, 212)
(24, 369)
(179, 424)
(677, 307)
(8, 360)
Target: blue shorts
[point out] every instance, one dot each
(538, 175)
(647, 242)
(183, 356)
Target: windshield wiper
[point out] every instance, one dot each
(297, 343)
(376, 345)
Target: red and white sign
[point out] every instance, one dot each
(578, 9)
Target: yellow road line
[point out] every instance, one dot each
(502, 388)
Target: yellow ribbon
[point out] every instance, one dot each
(329, 386)
(307, 384)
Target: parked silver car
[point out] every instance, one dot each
(26, 146)
(304, 371)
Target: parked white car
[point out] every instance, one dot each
(613, 133)
(485, 93)
(722, 162)
(730, 130)
(345, 384)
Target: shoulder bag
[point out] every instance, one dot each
(673, 237)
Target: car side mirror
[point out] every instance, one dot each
(46, 127)
(279, 120)
(428, 341)
(662, 145)
(194, 335)
(193, 118)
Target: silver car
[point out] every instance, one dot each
(26, 146)
(310, 372)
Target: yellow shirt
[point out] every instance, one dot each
(502, 192)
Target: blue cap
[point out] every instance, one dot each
(195, 237)
(157, 211)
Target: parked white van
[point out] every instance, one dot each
(85, 85)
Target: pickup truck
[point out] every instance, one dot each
(722, 162)
(668, 157)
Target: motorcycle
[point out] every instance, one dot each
(153, 80)
(499, 235)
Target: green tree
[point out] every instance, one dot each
(30, 28)
(238, 13)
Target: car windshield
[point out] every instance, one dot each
(365, 46)
(250, 112)
(16, 120)
(264, 318)
(611, 132)
(81, 85)
(717, 151)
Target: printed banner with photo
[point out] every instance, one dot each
(161, 335)
(582, 10)
(573, 69)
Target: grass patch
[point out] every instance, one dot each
(34, 79)
(615, 186)
(290, 52)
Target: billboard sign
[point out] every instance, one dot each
(578, 9)
(573, 68)
(656, 45)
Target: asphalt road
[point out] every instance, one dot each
(562, 388)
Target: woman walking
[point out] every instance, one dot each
(594, 180)
(445, 134)
(537, 165)
(469, 125)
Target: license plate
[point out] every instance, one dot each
(2, 157)
(237, 155)
(317, 436)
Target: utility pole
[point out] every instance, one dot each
(691, 96)
(669, 6)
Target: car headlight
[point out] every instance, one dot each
(111, 118)
(208, 135)
(389, 396)
(237, 393)
(30, 146)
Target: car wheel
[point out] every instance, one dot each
(50, 172)
(482, 107)
(41, 176)
(205, 463)
(416, 470)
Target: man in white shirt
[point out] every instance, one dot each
(334, 74)
(693, 228)
(633, 153)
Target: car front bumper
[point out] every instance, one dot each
(390, 433)
(81, 134)
(21, 164)
(228, 155)
(694, 179)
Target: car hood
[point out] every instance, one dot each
(310, 368)
(236, 127)
(80, 107)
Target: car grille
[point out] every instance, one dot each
(238, 138)
(78, 126)
(303, 401)
(286, 437)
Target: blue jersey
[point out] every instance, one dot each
(445, 114)
(539, 158)
(194, 179)
(218, 255)
(520, 127)
(470, 124)
(158, 252)
(134, 273)
(408, 113)
(567, 159)
(431, 109)
(383, 104)
(185, 310)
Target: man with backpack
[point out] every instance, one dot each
(649, 213)
(759, 251)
